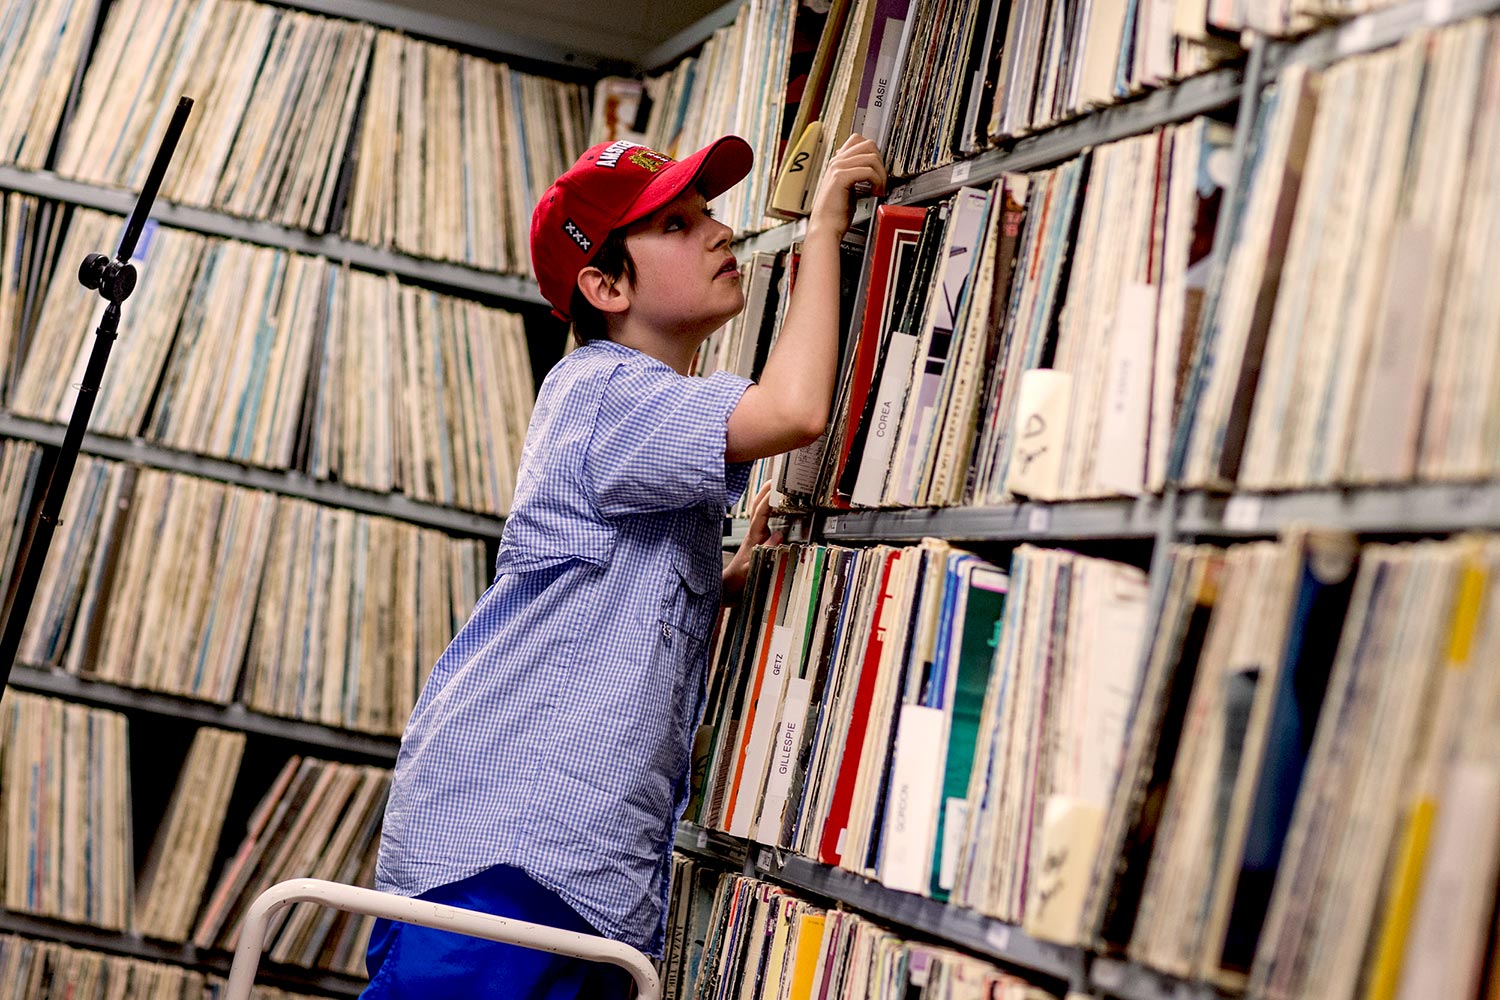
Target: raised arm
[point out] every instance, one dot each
(789, 407)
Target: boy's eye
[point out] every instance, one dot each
(674, 223)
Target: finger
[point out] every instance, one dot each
(870, 163)
(847, 153)
(847, 177)
(867, 160)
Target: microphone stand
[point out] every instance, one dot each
(114, 280)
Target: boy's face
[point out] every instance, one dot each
(686, 281)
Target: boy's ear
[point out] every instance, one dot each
(606, 294)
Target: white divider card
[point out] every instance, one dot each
(895, 380)
(955, 825)
(1038, 519)
(799, 475)
(752, 778)
(1127, 399)
(1242, 512)
(785, 749)
(911, 812)
(1040, 431)
(887, 63)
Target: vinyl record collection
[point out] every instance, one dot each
(1309, 711)
(762, 942)
(1270, 768)
(1376, 359)
(314, 123)
(45, 970)
(69, 846)
(177, 869)
(243, 592)
(284, 360)
(45, 42)
(65, 798)
(454, 150)
(319, 819)
(1049, 336)
(1031, 338)
(929, 80)
(854, 679)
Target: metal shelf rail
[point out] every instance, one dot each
(461, 277)
(973, 932)
(281, 481)
(375, 749)
(135, 946)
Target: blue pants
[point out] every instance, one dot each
(407, 962)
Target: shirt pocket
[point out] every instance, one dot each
(689, 598)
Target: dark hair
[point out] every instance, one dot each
(613, 258)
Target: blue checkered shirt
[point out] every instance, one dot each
(555, 732)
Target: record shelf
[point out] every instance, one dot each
(973, 932)
(208, 962)
(459, 277)
(280, 481)
(157, 721)
(364, 748)
(1397, 509)
(1407, 508)
(1095, 519)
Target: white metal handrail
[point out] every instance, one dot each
(419, 911)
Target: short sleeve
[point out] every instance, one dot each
(659, 442)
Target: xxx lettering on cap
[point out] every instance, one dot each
(613, 152)
(584, 243)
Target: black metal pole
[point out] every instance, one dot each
(114, 280)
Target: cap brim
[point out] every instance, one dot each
(714, 169)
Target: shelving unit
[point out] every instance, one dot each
(1408, 508)
(272, 738)
(1083, 519)
(1412, 508)
(1374, 30)
(459, 277)
(1196, 95)
(213, 963)
(993, 939)
(1403, 509)
(287, 483)
(364, 747)
(1398, 509)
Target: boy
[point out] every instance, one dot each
(545, 766)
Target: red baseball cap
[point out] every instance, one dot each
(612, 185)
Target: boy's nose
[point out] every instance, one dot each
(720, 235)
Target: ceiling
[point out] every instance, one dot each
(621, 29)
